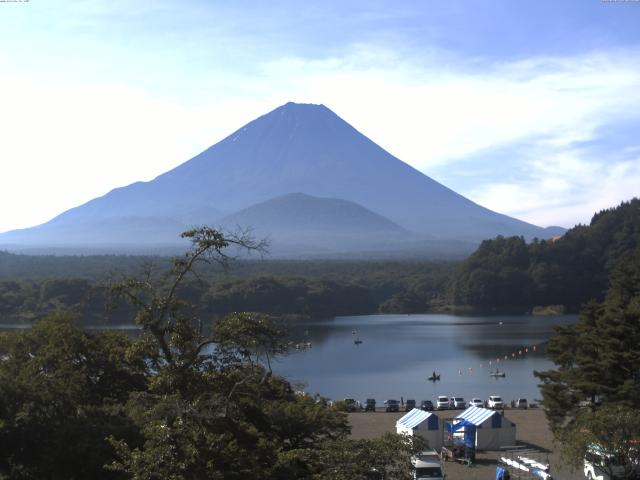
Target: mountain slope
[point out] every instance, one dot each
(294, 148)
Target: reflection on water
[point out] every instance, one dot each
(399, 352)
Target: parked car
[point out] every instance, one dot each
(426, 405)
(409, 405)
(476, 402)
(495, 402)
(442, 403)
(351, 405)
(427, 466)
(598, 464)
(520, 403)
(392, 405)
(370, 405)
(457, 402)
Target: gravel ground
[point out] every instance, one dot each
(531, 429)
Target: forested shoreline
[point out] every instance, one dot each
(509, 273)
(305, 289)
(504, 275)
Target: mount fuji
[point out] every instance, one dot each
(300, 175)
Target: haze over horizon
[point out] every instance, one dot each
(102, 94)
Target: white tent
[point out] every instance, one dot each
(492, 430)
(425, 424)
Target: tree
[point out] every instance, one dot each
(598, 363)
(571, 270)
(384, 458)
(168, 322)
(61, 392)
(613, 430)
(214, 409)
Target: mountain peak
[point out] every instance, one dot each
(301, 111)
(298, 147)
(302, 106)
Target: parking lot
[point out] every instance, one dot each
(532, 430)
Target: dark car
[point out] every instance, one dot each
(350, 405)
(370, 405)
(392, 405)
(409, 405)
(426, 405)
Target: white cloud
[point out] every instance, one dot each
(563, 189)
(429, 112)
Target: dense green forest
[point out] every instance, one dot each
(31, 287)
(508, 273)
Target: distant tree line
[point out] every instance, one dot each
(503, 274)
(366, 289)
(23, 302)
(509, 273)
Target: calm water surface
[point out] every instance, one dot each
(399, 352)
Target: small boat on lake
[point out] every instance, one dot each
(357, 341)
(302, 345)
(434, 377)
(498, 374)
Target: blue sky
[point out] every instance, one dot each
(530, 108)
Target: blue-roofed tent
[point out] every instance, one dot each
(425, 424)
(492, 430)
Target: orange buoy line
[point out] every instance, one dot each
(514, 355)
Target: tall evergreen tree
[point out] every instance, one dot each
(598, 360)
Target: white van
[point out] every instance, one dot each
(598, 464)
(495, 402)
(427, 466)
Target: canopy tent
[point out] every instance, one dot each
(490, 429)
(425, 424)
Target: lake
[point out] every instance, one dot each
(399, 352)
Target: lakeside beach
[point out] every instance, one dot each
(531, 429)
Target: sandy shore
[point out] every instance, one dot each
(531, 429)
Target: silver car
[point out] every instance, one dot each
(442, 403)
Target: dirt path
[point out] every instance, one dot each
(531, 429)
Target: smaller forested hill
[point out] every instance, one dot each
(571, 270)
